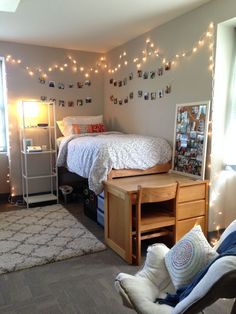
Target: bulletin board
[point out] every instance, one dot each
(190, 139)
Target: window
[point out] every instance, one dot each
(3, 137)
(230, 151)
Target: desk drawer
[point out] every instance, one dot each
(192, 193)
(184, 226)
(190, 209)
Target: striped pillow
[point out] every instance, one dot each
(188, 256)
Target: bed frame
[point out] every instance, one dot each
(119, 173)
(67, 177)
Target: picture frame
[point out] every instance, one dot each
(190, 139)
(26, 143)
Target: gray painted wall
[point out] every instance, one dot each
(21, 86)
(191, 79)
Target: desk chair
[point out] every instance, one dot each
(153, 221)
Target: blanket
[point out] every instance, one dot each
(94, 155)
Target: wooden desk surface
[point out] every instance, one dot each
(129, 184)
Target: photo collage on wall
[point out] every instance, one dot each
(63, 86)
(190, 138)
(145, 75)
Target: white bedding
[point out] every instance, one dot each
(94, 155)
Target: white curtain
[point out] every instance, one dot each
(230, 124)
(3, 142)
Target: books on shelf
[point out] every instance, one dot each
(34, 149)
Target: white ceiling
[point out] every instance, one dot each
(89, 25)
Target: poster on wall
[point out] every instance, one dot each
(190, 139)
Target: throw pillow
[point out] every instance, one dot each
(96, 128)
(188, 256)
(80, 128)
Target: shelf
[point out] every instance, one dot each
(37, 127)
(40, 198)
(40, 177)
(39, 152)
(38, 167)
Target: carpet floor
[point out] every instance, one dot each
(41, 235)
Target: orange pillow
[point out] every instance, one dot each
(80, 128)
(96, 128)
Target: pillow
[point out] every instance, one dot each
(61, 127)
(85, 128)
(83, 120)
(79, 128)
(96, 128)
(189, 256)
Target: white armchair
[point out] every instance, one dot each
(140, 291)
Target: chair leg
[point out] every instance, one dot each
(138, 248)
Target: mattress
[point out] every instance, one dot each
(94, 155)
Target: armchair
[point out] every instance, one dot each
(153, 281)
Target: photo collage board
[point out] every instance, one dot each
(190, 139)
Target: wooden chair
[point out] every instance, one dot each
(155, 220)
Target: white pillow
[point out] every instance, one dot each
(83, 120)
(189, 256)
(61, 127)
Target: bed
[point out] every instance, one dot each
(105, 155)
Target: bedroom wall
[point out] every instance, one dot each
(190, 78)
(20, 85)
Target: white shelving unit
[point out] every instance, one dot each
(39, 171)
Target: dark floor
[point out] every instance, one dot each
(80, 285)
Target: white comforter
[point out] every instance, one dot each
(94, 155)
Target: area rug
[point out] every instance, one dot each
(36, 236)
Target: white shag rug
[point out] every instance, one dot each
(36, 236)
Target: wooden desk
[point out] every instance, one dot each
(120, 194)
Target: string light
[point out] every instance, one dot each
(147, 52)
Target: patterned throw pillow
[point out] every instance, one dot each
(189, 256)
(96, 128)
(80, 128)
